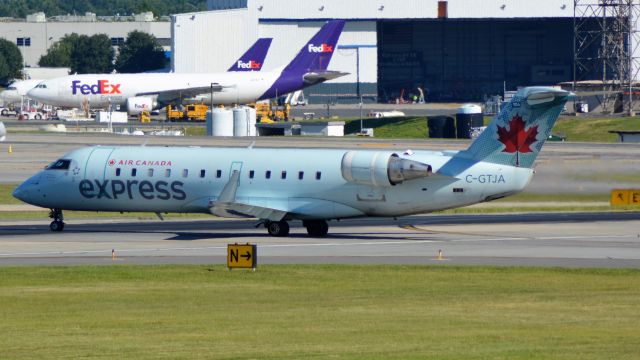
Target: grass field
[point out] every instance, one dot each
(300, 312)
(585, 129)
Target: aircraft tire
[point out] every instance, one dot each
(56, 226)
(317, 228)
(278, 228)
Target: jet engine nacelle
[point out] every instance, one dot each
(381, 168)
(138, 104)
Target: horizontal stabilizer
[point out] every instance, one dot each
(316, 77)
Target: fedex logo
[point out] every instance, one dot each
(102, 87)
(249, 65)
(322, 48)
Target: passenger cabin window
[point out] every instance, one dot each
(150, 173)
(167, 172)
(61, 164)
(318, 175)
(284, 175)
(134, 172)
(202, 173)
(118, 172)
(251, 174)
(219, 173)
(267, 174)
(300, 175)
(185, 173)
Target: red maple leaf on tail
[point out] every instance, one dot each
(517, 138)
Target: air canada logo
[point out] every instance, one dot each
(322, 48)
(517, 138)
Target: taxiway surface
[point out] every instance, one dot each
(561, 239)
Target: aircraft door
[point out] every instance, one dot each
(97, 163)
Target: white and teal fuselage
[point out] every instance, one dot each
(319, 185)
(100, 179)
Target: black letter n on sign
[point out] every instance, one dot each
(234, 255)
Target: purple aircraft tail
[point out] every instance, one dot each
(253, 59)
(309, 67)
(316, 54)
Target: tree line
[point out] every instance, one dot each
(85, 54)
(22, 8)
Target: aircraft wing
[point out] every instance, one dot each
(316, 77)
(167, 96)
(227, 206)
(272, 208)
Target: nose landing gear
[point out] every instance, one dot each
(57, 224)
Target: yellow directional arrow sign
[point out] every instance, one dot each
(242, 256)
(625, 197)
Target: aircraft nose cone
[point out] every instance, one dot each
(21, 193)
(33, 93)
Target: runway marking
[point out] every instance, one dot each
(328, 244)
(427, 231)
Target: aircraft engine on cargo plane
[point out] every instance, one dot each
(380, 168)
(138, 104)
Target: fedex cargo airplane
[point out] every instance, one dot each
(140, 92)
(251, 60)
(278, 185)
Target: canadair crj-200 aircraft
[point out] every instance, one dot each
(312, 185)
(139, 92)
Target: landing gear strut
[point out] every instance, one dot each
(277, 228)
(57, 224)
(316, 228)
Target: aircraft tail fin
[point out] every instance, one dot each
(316, 54)
(516, 135)
(253, 58)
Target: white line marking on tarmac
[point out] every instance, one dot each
(329, 244)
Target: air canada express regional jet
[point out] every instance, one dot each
(277, 185)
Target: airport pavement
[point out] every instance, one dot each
(561, 239)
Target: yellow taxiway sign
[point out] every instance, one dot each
(241, 256)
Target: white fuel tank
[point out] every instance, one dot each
(220, 122)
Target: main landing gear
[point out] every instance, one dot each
(57, 224)
(315, 228)
(277, 228)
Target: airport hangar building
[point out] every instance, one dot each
(457, 50)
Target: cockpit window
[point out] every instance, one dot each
(61, 164)
(42, 86)
(12, 88)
